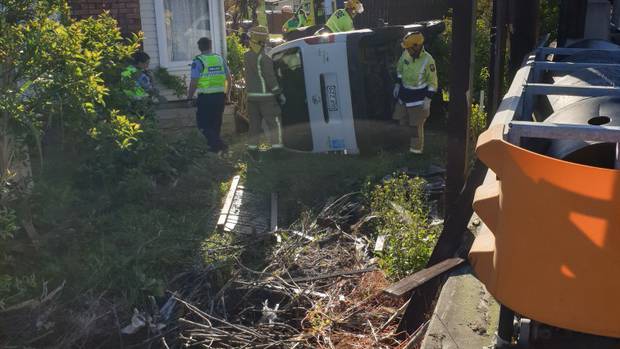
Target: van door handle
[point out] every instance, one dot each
(324, 100)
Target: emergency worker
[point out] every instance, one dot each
(297, 21)
(263, 92)
(342, 19)
(211, 78)
(415, 85)
(137, 79)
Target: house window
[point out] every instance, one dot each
(180, 23)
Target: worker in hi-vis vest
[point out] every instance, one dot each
(415, 85)
(137, 80)
(342, 19)
(298, 20)
(211, 79)
(263, 92)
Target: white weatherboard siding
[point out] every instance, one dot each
(153, 27)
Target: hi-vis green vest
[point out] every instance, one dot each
(340, 21)
(129, 77)
(213, 76)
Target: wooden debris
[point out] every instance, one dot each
(228, 202)
(380, 243)
(406, 285)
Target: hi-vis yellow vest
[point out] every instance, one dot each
(129, 77)
(340, 21)
(213, 76)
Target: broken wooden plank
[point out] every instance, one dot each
(274, 212)
(228, 203)
(410, 282)
(380, 243)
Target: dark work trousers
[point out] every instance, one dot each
(210, 108)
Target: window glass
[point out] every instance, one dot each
(186, 21)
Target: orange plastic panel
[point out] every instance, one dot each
(551, 251)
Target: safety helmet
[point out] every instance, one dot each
(355, 6)
(259, 34)
(286, 9)
(413, 39)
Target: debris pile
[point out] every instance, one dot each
(320, 289)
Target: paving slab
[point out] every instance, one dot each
(466, 315)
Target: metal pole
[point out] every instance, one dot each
(459, 108)
(524, 34)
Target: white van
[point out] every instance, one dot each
(337, 86)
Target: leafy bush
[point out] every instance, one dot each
(402, 211)
(175, 83)
(235, 57)
(477, 124)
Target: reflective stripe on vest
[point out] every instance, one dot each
(128, 77)
(340, 21)
(213, 76)
(263, 92)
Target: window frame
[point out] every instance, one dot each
(162, 43)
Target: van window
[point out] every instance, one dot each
(296, 132)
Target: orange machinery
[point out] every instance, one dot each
(550, 246)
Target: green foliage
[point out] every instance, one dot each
(175, 83)
(235, 56)
(58, 71)
(402, 212)
(549, 18)
(8, 224)
(477, 124)
(15, 287)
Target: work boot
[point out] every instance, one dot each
(415, 147)
(415, 150)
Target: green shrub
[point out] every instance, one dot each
(235, 56)
(402, 211)
(175, 83)
(8, 223)
(477, 124)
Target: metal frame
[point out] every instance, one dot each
(522, 124)
(533, 87)
(608, 134)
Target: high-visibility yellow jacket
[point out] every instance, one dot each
(129, 76)
(297, 21)
(417, 78)
(340, 21)
(213, 76)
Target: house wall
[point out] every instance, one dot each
(151, 42)
(126, 12)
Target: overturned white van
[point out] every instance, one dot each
(338, 87)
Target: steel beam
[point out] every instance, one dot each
(570, 90)
(524, 34)
(568, 66)
(568, 50)
(593, 133)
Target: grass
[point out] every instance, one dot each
(128, 241)
(306, 181)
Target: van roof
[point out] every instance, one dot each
(342, 37)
